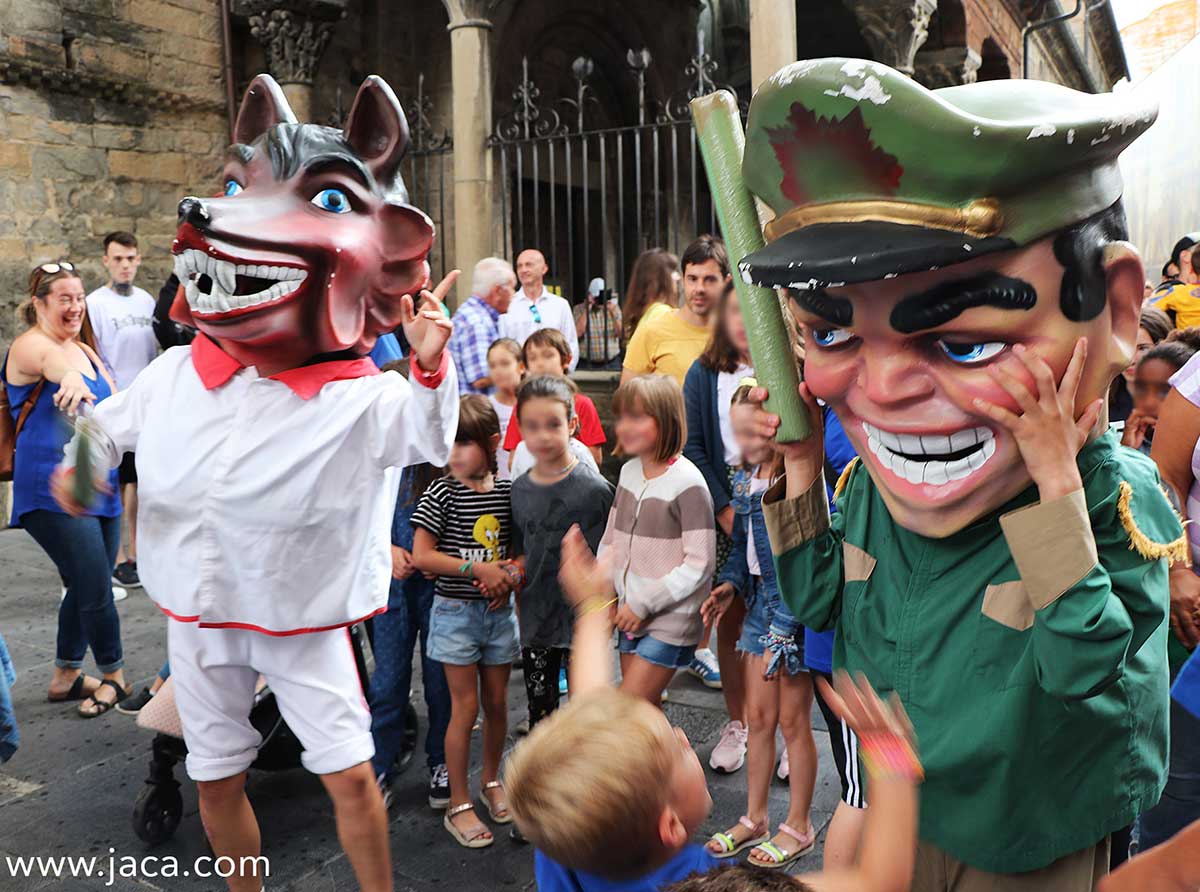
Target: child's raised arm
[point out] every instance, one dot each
(887, 857)
(587, 584)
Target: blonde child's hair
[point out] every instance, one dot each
(659, 397)
(590, 782)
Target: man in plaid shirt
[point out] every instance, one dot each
(477, 323)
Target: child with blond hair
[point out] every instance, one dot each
(611, 794)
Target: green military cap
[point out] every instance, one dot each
(872, 175)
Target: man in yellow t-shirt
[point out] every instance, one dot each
(1182, 302)
(669, 343)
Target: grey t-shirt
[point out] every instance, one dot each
(542, 514)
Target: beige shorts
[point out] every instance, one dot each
(1078, 872)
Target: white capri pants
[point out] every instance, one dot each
(313, 676)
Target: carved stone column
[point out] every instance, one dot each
(947, 68)
(294, 36)
(471, 85)
(894, 29)
(772, 38)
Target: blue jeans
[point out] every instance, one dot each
(395, 636)
(650, 649)
(10, 738)
(84, 550)
(1180, 803)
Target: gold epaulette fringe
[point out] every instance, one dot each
(844, 478)
(1175, 552)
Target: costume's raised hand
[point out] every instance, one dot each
(1046, 429)
(803, 460)
(425, 325)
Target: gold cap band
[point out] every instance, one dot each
(980, 219)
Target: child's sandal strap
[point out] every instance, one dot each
(748, 824)
(795, 834)
(493, 785)
(727, 842)
(459, 809)
(776, 853)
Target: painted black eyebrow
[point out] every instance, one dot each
(241, 152)
(945, 302)
(834, 310)
(346, 163)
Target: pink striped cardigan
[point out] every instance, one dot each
(662, 540)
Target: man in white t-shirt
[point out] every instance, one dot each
(534, 307)
(122, 315)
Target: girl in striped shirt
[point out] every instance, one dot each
(660, 542)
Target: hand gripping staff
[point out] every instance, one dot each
(719, 132)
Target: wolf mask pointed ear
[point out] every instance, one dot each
(377, 129)
(263, 106)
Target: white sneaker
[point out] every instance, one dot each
(730, 752)
(119, 594)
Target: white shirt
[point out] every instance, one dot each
(519, 322)
(727, 383)
(523, 460)
(757, 485)
(504, 413)
(124, 334)
(260, 510)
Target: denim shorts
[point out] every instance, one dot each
(756, 626)
(463, 633)
(650, 649)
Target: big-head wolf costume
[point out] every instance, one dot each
(1004, 572)
(266, 497)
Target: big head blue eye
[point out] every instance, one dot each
(832, 337)
(333, 200)
(232, 187)
(971, 353)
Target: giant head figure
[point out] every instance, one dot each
(311, 244)
(922, 235)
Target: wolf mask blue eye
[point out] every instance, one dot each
(333, 200)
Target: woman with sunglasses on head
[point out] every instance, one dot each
(49, 373)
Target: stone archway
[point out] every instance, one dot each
(945, 60)
(994, 63)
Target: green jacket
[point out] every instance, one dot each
(1030, 649)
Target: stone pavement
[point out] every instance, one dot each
(70, 789)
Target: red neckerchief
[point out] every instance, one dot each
(215, 367)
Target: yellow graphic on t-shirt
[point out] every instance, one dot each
(487, 534)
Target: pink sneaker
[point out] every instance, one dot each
(730, 752)
(784, 768)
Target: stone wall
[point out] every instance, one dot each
(110, 112)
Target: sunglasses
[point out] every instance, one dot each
(52, 268)
(537, 316)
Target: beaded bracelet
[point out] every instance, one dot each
(888, 755)
(515, 574)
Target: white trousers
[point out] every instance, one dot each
(313, 677)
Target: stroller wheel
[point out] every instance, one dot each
(408, 746)
(156, 813)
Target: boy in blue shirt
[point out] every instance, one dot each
(611, 794)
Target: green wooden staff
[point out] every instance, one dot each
(719, 132)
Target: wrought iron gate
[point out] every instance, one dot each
(592, 200)
(427, 169)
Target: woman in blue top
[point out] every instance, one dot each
(710, 446)
(84, 548)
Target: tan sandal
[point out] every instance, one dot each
(729, 844)
(480, 839)
(772, 857)
(500, 813)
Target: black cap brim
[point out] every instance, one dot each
(830, 254)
